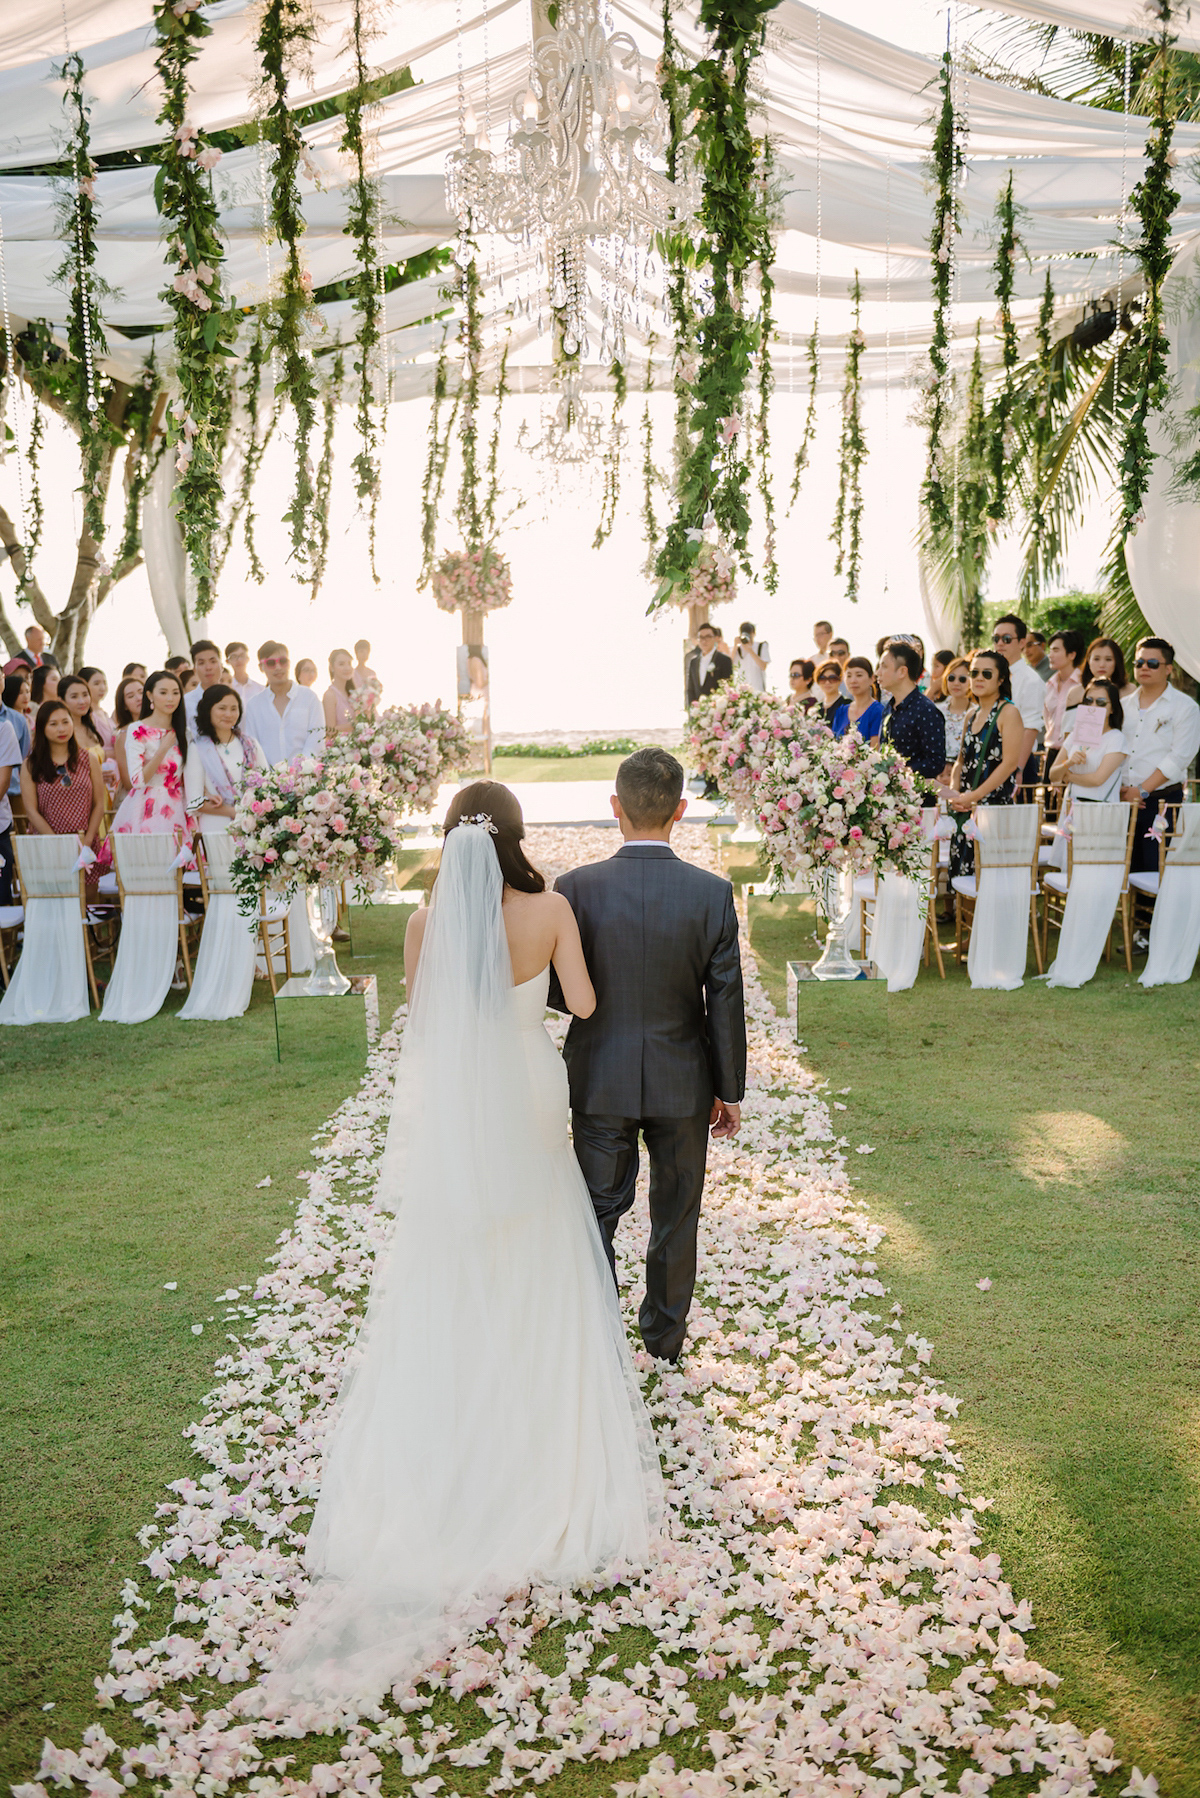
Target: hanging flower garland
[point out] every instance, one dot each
(286, 31)
(813, 353)
(362, 224)
(467, 511)
(847, 522)
(206, 320)
(1003, 433)
(492, 485)
(946, 164)
(1154, 200)
(146, 444)
(83, 400)
(731, 236)
(612, 458)
(676, 243)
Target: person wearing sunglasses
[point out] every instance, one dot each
(829, 689)
(988, 769)
(286, 718)
(954, 705)
(1162, 734)
(1095, 773)
(800, 684)
(1028, 693)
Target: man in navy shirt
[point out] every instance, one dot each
(912, 724)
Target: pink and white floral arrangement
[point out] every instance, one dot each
(833, 802)
(735, 735)
(472, 580)
(412, 750)
(713, 580)
(315, 824)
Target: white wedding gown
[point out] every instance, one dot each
(490, 1429)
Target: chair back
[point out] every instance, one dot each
(1101, 833)
(218, 855)
(1183, 850)
(144, 864)
(1008, 835)
(46, 866)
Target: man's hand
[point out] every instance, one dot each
(725, 1120)
(1131, 795)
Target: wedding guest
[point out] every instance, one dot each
(61, 784)
(839, 650)
(337, 702)
(10, 758)
(176, 664)
(1095, 771)
(988, 769)
(16, 687)
(1028, 694)
(285, 718)
(829, 690)
(751, 657)
(98, 686)
(942, 659)
(956, 678)
(1062, 660)
(862, 711)
(188, 679)
(134, 671)
(364, 675)
(238, 657)
(706, 667)
(912, 724)
(21, 702)
(822, 638)
(44, 684)
(155, 752)
(1104, 659)
(206, 660)
(220, 755)
(1035, 654)
(1162, 735)
(800, 679)
(31, 656)
(76, 695)
(306, 672)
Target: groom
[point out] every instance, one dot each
(664, 1052)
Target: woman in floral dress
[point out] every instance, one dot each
(155, 754)
(987, 771)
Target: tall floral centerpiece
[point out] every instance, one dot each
(410, 750)
(734, 736)
(828, 804)
(311, 827)
(472, 580)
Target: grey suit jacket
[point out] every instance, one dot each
(669, 1028)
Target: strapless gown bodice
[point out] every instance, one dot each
(547, 1070)
(530, 999)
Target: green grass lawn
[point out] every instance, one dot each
(554, 767)
(1047, 1140)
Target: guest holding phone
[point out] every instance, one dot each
(1091, 761)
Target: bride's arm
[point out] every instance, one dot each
(569, 965)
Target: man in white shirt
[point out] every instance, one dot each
(1029, 695)
(1162, 732)
(285, 717)
(206, 660)
(822, 638)
(752, 658)
(238, 657)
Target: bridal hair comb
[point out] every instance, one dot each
(481, 821)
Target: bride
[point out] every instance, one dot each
(490, 1429)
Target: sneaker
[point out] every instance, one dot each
(1141, 943)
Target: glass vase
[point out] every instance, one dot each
(835, 899)
(326, 980)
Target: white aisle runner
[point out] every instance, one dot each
(812, 1481)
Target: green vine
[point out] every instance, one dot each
(83, 400)
(256, 443)
(650, 475)
(37, 510)
(975, 494)
(612, 458)
(732, 234)
(678, 285)
(330, 400)
(852, 456)
(206, 320)
(286, 31)
(946, 164)
(766, 378)
(810, 417)
(468, 513)
(1002, 434)
(362, 224)
(1041, 434)
(492, 486)
(1154, 200)
(146, 444)
(436, 459)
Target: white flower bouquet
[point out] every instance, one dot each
(472, 580)
(315, 824)
(830, 802)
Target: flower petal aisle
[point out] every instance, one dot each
(822, 1620)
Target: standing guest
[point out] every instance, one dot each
(127, 709)
(751, 658)
(1162, 734)
(706, 666)
(206, 660)
(32, 655)
(22, 701)
(220, 755)
(822, 638)
(10, 758)
(1062, 660)
(829, 690)
(800, 683)
(16, 687)
(988, 769)
(338, 700)
(1104, 659)
(1036, 654)
(862, 711)
(1095, 772)
(1028, 693)
(61, 784)
(942, 659)
(176, 664)
(839, 650)
(956, 679)
(155, 752)
(365, 676)
(134, 671)
(306, 672)
(912, 724)
(188, 681)
(98, 687)
(43, 684)
(76, 695)
(286, 719)
(238, 657)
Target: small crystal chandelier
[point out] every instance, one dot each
(574, 435)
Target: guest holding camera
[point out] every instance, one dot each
(751, 658)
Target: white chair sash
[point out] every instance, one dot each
(49, 984)
(224, 976)
(149, 945)
(898, 933)
(1008, 839)
(1099, 836)
(1175, 930)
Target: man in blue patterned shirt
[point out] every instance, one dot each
(912, 724)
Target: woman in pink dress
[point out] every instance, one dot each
(155, 754)
(338, 701)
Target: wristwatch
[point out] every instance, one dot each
(1145, 794)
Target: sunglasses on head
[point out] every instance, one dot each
(1148, 662)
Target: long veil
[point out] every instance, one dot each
(489, 1429)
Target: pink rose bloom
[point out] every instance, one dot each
(270, 855)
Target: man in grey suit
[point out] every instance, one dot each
(664, 1053)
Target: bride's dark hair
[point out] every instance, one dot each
(500, 805)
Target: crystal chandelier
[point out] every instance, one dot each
(578, 169)
(574, 435)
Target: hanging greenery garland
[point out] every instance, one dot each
(1041, 434)
(650, 475)
(33, 463)
(946, 164)
(256, 441)
(1154, 200)
(810, 417)
(362, 224)
(1003, 435)
(731, 236)
(611, 473)
(492, 488)
(206, 319)
(330, 400)
(287, 29)
(467, 510)
(437, 456)
(83, 400)
(975, 496)
(146, 444)
(766, 378)
(685, 363)
(847, 522)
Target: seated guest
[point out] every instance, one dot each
(98, 687)
(829, 690)
(988, 769)
(61, 783)
(285, 718)
(238, 657)
(206, 661)
(16, 687)
(954, 706)
(127, 709)
(155, 753)
(10, 758)
(219, 757)
(912, 724)
(134, 671)
(942, 659)
(1162, 735)
(800, 679)
(862, 710)
(337, 702)
(306, 672)
(43, 685)
(1095, 772)
(76, 695)
(839, 651)
(1062, 662)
